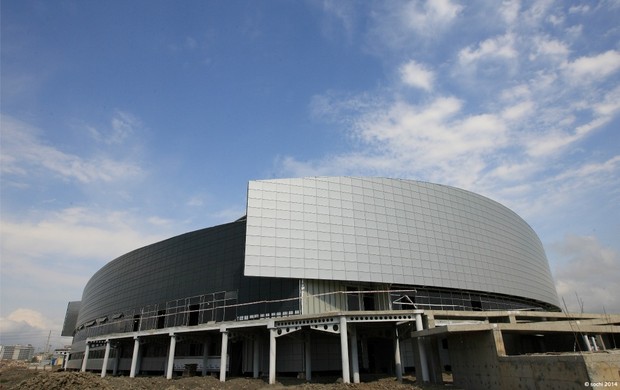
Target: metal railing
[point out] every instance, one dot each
(223, 306)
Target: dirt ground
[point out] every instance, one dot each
(20, 377)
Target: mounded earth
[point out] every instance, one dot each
(14, 376)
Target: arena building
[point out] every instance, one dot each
(322, 275)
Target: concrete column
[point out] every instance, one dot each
(106, 356)
(421, 348)
(85, 360)
(355, 366)
(308, 360)
(117, 360)
(587, 343)
(344, 350)
(272, 356)
(223, 356)
(435, 370)
(134, 357)
(256, 356)
(365, 358)
(205, 356)
(173, 344)
(398, 366)
(499, 341)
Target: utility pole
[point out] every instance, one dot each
(47, 343)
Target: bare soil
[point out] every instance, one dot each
(20, 377)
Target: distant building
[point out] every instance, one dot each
(60, 356)
(16, 352)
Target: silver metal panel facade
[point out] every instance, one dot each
(392, 231)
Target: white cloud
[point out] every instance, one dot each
(344, 12)
(190, 43)
(509, 10)
(590, 171)
(500, 47)
(431, 16)
(593, 67)
(510, 170)
(518, 111)
(574, 31)
(417, 75)
(436, 139)
(555, 20)
(75, 233)
(534, 15)
(337, 107)
(591, 274)
(58, 252)
(25, 154)
(122, 126)
(401, 25)
(195, 201)
(509, 126)
(30, 317)
(579, 9)
(550, 48)
(26, 326)
(432, 134)
(158, 221)
(563, 130)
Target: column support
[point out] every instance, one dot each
(117, 359)
(106, 356)
(223, 355)
(85, 359)
(205, 356)
(173, 344)
(256, 356)
(587, 342)
(355, 366)
(344, 350)
(134, 357)
(308, 357)
(398, 366)
(421, 348)
(272, 356)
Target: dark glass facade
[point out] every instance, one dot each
(166, 281)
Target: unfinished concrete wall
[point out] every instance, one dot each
(474, 360)
(479, 362)
(548, 372)
(603, 366)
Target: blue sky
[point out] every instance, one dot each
(127, 122)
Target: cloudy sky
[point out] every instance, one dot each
(126, 122)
